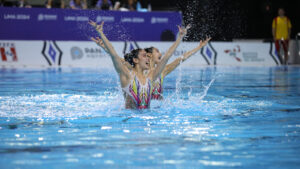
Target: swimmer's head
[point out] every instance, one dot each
(138, 57)
(281, 12)
(154, 54)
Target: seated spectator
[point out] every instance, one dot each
(104, 5)
(140, 8)
(1, 2)
(78, 4)
(117, 5)
(55, 4)
(23, 4)
(129, 6)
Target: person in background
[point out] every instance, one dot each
(281, 30)
(104, 5)
(139, 7)
(130, 5)
(55, 4)
(23, 4)
(117, 6)
(78, 4)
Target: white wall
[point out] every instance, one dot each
(88, 54)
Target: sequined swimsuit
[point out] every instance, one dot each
(139, 93)
(157, 88)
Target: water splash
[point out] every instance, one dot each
(206, 89)
(178, 80)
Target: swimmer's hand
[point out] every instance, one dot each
(99, 42)
(183, 30)
(203, 43)
(99, 28)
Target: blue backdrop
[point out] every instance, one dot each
(67, 24)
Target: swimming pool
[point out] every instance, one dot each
(224, 117)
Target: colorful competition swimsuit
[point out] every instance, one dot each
(157, 88)
(140, 94)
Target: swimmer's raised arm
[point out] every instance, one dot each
(160, 67)
(118, 62)
(100, 43)
(170, 67)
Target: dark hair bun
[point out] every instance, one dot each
(133, 54)
(128, 58)
(149, 50)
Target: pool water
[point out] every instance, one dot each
(211, 117)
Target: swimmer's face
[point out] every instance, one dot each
(143, 60)
(156, 55)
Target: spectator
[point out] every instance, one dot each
(281, 30)
(23, 4)
(104, 5)
(78, 4)
(117, 5)
(55, 4)
(140, 8)
(129, 6)
(1, 2)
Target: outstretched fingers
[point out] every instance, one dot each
(100, 27)
(203, 43)
(93, 39)
(96, 26)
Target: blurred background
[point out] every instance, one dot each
(224, 20)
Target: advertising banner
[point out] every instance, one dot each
(68, 24)
(244, 54)
(88, 54)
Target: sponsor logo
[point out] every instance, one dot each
(46, 17)
(16, 17)
(76, 18)
(251, 57)
(105, 19)
(233, 52)
(78, 53)
(52, 53)
(209, 54)
(133, 20)
(8, 52)
(237, 54)
(159, 20)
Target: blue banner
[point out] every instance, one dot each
(68, 24)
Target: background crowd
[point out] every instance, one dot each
(122, 5)
(224, 20)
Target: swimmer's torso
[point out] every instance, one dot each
(137, 95)
(157, 89)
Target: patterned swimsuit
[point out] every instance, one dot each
(140, 94)
(157, 88)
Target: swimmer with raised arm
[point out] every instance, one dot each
(155, 56)
(135, 84)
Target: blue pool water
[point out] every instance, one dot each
(225, 117)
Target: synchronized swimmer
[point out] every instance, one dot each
(138, 87)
